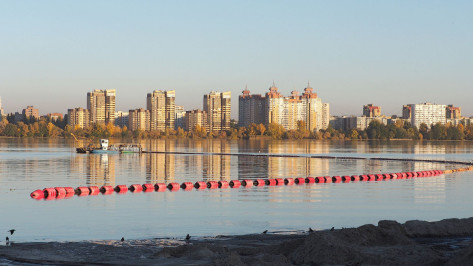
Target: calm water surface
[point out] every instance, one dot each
(30, 164)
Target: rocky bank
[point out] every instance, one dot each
(446, 242)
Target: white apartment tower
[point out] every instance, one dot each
(427, 113)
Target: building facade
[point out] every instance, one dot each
(29, 112)
(427, 113)
(78, 117)
(180, 118)
(286, 111)
(370, 110)
(101, 105)
(195, 118)
(2, 113)
(453, 112)
(121, 118)
(162, 108)
(217, 105)
(251, 109)
(139, 119)
(407, 112)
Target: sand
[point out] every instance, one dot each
(446, 242)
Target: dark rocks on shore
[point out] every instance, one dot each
(446, 242)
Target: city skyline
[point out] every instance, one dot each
(353, 53)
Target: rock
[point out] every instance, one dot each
(447, 227)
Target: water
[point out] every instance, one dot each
(30, 164)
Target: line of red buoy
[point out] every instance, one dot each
(67, 192)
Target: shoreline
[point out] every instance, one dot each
(445, 242)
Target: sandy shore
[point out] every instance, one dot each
(446, 242)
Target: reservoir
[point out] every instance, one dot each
(30, 164)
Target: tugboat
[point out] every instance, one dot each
(104, 148)
(109, 149)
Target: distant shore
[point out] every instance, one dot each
(446, 242)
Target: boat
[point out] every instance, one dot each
(115, 149)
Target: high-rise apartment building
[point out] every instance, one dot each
(29, 112)
(180, 118)
(250, 108)
(195, 118)
(274, 105)
(428, 113)
(162, 108)
(1, 109)
(78, 117)
(453, 112)
(370, 110)
(101, 106)
(286, 111)
(139, 119)
(406, 111)
(121, 118)
(217, 105)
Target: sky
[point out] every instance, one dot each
(387, 53)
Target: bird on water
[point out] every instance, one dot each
(11, 231)
(310, 230)
(333, 229)
(7, 240)
(123, 239)
(265, 231)
(188, 237)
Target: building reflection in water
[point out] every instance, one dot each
(160, 167)
(280, 167)
(216, 167)
(156, 167)
(99, 169)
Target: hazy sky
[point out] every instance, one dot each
(388, 53)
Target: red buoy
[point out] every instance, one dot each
(279, 181)
(355, 178)
(371, 177)
(69, 191)
(328, 179)
(49, 192)
(121, 189)
(259, 182)
(223, 184)
(135, 188)
(310, 180)
(60, 191)
(94, 190)
(320, 179)
(247, 183)
(289, 181)
(235, 183)
(148, 187)
(173, 186)
(212, 184)
(160, 187)
(346, 179)
(336, 179)
(387, 176)
(187, 185)
(107, 190)
(200, 185)
(299, 180)
(364, 178)
(270, 182)
(37, 194)
(82, 191)
(379, 177)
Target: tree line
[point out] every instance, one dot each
(45, 127)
